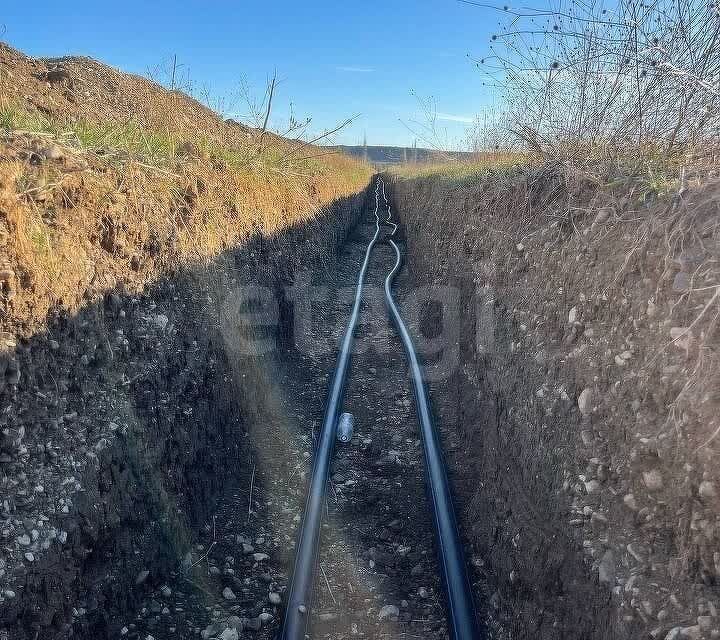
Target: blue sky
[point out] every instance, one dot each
(335, 59)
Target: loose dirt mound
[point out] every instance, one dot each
(78, 88)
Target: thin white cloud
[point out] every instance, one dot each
(355, 69)
(453, 118)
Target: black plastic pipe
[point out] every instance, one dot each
(301, 587)
(462, 617)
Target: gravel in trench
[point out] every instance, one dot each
(378, 574)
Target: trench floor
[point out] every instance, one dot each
(378, 574)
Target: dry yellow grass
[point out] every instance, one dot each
(108, 180)
(462, 169)
(79, 217)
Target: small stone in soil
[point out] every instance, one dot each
(630, 502)
(389, 611)
(653, 480)
(235, 622)
(707, 490)
(585, 401)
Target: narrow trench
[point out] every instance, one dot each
(378, 575)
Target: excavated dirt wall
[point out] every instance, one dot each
(586, 394)
(122, 424)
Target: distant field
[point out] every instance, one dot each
(400, 155)
(472, 165)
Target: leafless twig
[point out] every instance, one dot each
(252, 484)
(327, 582)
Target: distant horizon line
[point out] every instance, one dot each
(397, 146)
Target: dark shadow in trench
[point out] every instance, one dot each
(148, 392)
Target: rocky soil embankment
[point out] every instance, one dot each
(129, 217)
(587, 393)
(122, 424)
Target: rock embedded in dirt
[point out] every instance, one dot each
(681, 337)
(707, 490)
(585, 401)
(228, 594)
(7, 282)
(653, 480)
(274, 598)
(212, 630)
(52, 152)
(705, 622)
(161, 321)
(389, 611)
(587, 438)
(229, 634)
(592, 487)
(328, 617)
(235, 622)
(630, 502)
(187, 148)
(604, 214)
